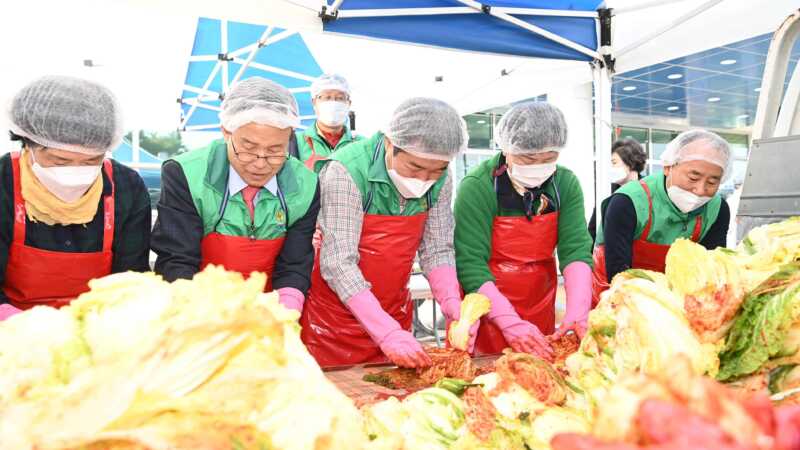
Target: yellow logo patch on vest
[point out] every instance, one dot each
(280, 217)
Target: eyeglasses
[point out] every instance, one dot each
(247, 158)
(333, 98)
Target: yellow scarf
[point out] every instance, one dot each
(42, 206)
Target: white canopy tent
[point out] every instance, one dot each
(139, 49)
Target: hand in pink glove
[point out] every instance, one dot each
(7, 310)
(291, 298)
(578, 284)
(397, 344)
(521, 335)
(446, 291)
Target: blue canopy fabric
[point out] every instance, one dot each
(284, 59)
(477, 31)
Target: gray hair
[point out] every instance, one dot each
(716, 151)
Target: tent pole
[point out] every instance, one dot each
(680, 20)
(532, 28)
(602, 135)
(394, 12)
(259, 45)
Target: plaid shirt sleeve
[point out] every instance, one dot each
(340, 219)
(436, 248)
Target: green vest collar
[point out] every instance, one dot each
(313, 133)
(377, 168)
(218, 166)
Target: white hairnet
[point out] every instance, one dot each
(67, 113)
(534, 127)
(330, 81)
(715, 151)
(428, 127)
(259, 100)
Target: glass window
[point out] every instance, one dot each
(479, 127)
(466, 162)
(640, 134)
(659, 141)
(739, 145)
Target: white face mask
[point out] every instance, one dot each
(68, 183)
(410, 187)
(332, 113)
(531, 175)
(685, 200)
(618, 175)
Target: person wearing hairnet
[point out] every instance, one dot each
(240, 202)
(512, 213)
(69, 214)
(330, 96)
(643, 219)
(384, 200)
(628, 161)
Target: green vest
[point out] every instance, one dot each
(207, 172)
(669, 222)
(321, 147)
(365, 161)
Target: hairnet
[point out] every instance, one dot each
(259, 100)
(329, 81)
(429, 128)
(67, 113)
(534, 127)
(715, 151)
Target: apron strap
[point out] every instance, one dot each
(108, 209)
(698, 228)
(646, 231)
(310, 143)
(19, 202)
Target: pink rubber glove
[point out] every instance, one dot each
(578, 284)
(291, 298)
(397, 344)
(7, 310)
(446, 291)
(521, 335)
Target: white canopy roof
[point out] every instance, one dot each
(141, 47)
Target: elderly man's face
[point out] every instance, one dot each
(257, 152)
(699, 177)
(410, 166)
(536, 158)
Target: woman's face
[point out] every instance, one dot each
(616, 161)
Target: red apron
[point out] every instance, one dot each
(240, 253)
(44, 277)
(524, 268)
(645, 255)
(312, 160)
(387, 248)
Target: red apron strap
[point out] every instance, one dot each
(19, 202)
(310, 143)
(108, 209)
(646, 231)
(698, 228)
